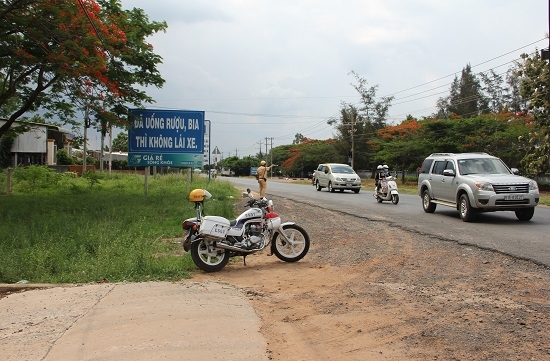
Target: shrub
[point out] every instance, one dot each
(34, 177)
(63, 157)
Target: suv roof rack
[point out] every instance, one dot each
(451, 154)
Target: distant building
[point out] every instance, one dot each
(39, 145)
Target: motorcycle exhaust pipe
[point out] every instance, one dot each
(235, 249)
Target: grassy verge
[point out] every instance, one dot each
(61, 228)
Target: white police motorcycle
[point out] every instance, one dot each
(212, 240)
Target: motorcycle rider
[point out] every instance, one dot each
(382, 171)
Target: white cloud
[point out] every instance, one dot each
(268, 68)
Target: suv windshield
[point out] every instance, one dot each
(342, 169)
(482, 166)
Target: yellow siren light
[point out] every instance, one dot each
(199, 195)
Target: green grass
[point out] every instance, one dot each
(61, 228)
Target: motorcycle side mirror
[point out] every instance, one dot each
(247, 194)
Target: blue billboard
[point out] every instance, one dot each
(166, 138)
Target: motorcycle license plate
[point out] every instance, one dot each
(518, 197)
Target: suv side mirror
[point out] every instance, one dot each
(515, 171)
(326, 171)
(449, 172)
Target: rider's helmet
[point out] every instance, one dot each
(199, 195)
(262, 162)
(379, 167)
(385, 167)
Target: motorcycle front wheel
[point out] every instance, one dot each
(208, 258)
(295, 248)
(395, 198)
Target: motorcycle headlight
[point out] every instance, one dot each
(485, 187)
(533, 186)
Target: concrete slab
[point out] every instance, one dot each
(135, 321)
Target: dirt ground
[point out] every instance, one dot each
(368, 291)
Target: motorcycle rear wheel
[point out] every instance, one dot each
(212, 260)
(293, 250)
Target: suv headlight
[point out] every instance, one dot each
(338, 179)
(485, 187)
(533, 186)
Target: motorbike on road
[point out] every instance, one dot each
(213, 240)
(388, 190)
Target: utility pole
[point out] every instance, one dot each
(86, 125)
(271, 152)
(209, 140)
(353, 142)
(260, 149)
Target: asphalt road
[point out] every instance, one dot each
(499, 231)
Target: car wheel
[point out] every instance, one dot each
(465, 209)
(427, 204)
(356, 190)
(318, 186)
(330, 189)
(525, 214)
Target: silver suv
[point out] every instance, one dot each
(475, 182)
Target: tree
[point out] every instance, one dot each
(120, 142)
(466, 98)
(298, 138)
(303, 158)
(402, 146)
(54, 53)
(496, 94)
(358, 125)
(534, 86)
(515, 101)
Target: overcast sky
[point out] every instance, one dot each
(273, 68)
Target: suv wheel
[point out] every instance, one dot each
(525, 214)
(465, 209)
(330, 189)
(427, 204)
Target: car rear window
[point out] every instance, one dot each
(426, 165)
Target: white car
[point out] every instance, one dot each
(336, 176)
